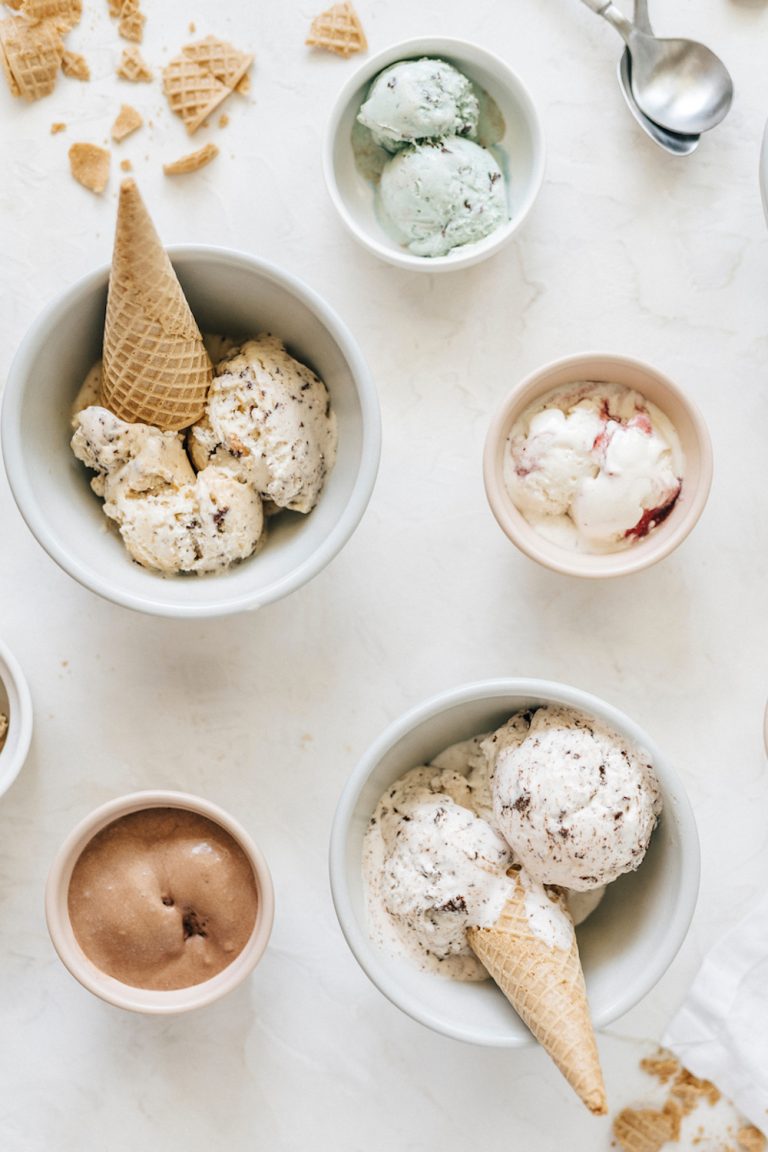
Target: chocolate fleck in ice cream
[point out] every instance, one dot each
(162, 899)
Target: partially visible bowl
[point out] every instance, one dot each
(654, 386)
(115, 991)
(626, 945)
(230, 293)
(16, 704)
(521, 149)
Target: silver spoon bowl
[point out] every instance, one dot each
(676, 143)
(679, 84)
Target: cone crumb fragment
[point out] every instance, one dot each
(75, 66)
(645, 1129)
(338, 30)
(192, 162)
(133, 67)
(57, 127)
(126, 166)
(664, 1066)
(750, 1139)
(128, 120)
(65, 13)
(132, 20)
(114, 8)
(30, 55)
(90, 166)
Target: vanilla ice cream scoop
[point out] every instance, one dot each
(576, 802)
(417, 100)
(594, 467)
(170, 519)
(440, 195)
(268, 421)
(433, 868)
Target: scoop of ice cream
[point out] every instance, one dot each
(574, 800)
(162, 899)
(268, 420)
(417, 100)
(434, 868)
(169, 519)
(594, 467)
(442, 195)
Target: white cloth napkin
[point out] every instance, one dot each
(721, 1031)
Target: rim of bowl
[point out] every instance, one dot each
(524, 536)
(549, 691)
(16, 465)
(464, 255)
(114, 991)
(20, 718)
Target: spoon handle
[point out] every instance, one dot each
(608, 10)
(642, 19)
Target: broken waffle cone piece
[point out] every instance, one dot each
(192, 161)
(132, 20)
(338, 30)
(193, 92)
(225, 62)
(128, 120)
(156, 368)
(134, 67)
(30, 55)
(75, 66)
(545, 986)
(89, 165)
(65, 13)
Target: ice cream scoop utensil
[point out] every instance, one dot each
(676, 143)
(679, 84)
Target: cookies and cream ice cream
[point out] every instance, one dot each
(266, 441)
(440, 195)
(417, 100)
(268, 420)
(575, 801)
(594, 467)
(162, 898)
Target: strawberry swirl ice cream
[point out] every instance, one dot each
(594, 467)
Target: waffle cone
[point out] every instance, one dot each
(156, 369)
(225, 63)
(30, 55)
(545, 986)
(193, 92)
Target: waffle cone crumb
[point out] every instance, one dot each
(58, 127)
(126, 166)
(75, 66)
(338, 30)
(750, 1139)
(191, 162)
(134, 67)
(90, 166)
(128, 120)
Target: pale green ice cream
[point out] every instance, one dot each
(417, 100)
(442, 195)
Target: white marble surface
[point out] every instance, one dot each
(626, 250)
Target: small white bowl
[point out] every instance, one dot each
(16, 703)
(115, 991)
(522, 146)
(626, 945)
(654, 386)
(230, 293)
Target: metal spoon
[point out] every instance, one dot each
(678, 84)
(674, 142)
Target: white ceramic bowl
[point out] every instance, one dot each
(521, 147)
(115, 991)
(16, 703)
(229, 293)
(654, 386)
(626, 945)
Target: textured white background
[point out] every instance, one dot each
(626, 250)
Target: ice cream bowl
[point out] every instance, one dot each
(233, 294)
(16, 706)
(519, 149)
(655, 387)
(114, 991)
(626, 945)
